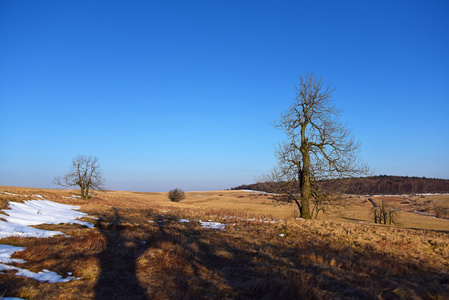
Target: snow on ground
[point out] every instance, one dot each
(73, 197)
(256, 192)
(43, 276)
(12, 229)
(20, 216)
(35, 212)
(10, 194)
(217, 225)
(213, 225)
(6, 251)
(210, 224)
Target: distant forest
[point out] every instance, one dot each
(373, 185)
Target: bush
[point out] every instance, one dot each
(441, 211)
(176, 195)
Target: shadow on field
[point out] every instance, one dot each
(354, 219)
(185, 261)
(118, 279)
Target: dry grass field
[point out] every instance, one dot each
(142, 247)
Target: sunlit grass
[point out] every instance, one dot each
(139, 249)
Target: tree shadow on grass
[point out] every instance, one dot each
(239, 268)
(220, 268)
(185, 261)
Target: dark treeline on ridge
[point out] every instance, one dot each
(372, 185)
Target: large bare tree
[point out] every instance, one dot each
(317, 147)
(85, 173)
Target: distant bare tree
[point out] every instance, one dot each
(85, 172)
(317, 147)
(383, 214)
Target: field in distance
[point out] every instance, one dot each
(232, 245)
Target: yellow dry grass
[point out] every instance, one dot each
(234, 202)
(139, 249)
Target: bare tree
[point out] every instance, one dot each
(383, 213)
(85, 172)
(317, 147)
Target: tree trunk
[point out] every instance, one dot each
(83, 195)
(305, 185)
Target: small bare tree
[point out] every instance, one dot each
(85, 172)
(317, 147)
(383, 214)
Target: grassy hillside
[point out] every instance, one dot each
(143, 247)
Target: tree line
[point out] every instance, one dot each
(371, 185)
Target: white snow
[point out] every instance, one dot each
(257, 192)
(6, 251)
(20, 216)
(43, 276)
(184, 221)
(35, 212)
(213, 225)
(11, 194)
(11, 229)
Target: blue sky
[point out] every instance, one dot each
(182, 93)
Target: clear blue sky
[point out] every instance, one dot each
(182, 93)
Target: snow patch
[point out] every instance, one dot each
(20, 216)
(6, 251)
(10, 194)
(10, 229)
(43, 276)
(213, 225)
(35, 212)
(257, 192)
